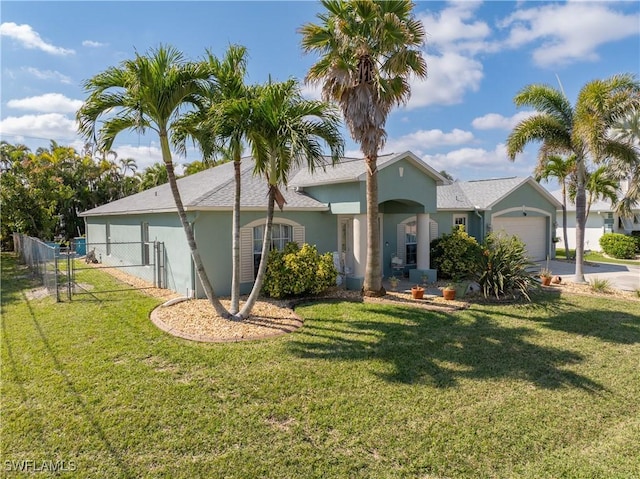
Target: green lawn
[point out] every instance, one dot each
(596, 257)
(543, 390)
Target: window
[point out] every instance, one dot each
(411, 242)
(460, 220)
(146, 259)
(608, 223)
(280, 236)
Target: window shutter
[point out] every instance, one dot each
(246, 255)
(298, 235)
(401, 249)
(433, 230)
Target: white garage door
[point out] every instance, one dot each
(532, 230)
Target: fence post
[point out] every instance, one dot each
(55, 274)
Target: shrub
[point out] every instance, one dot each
(297, 271)
(636, 237)
(455, 255)
(618, 245)
(503, 267)
(600, 285)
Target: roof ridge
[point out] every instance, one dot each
(221, 185)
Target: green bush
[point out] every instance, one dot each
(455, 255)
(503, 267)
(636, 237)
(297, 271)
(618, 245)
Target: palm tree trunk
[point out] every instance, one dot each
(235, 255)
(580, 219)
(262, 269)
(197, 261)
(564, 222)
(372, 273)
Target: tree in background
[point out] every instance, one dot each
(582, 130)
(368, 50)
(562, 169)
(627, 128)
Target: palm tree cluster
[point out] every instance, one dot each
(208, 103)
(583, 143)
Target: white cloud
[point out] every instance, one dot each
(495, 121)
(144, 155)
(422, 140)
(569, 32)
(453, 28)
(93, 44)
(47, 75)
(450, 76)
(31, 39)
(47, 103)
(48, 125)
(311, 92)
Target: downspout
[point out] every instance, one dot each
(482, 232)
(191, 292)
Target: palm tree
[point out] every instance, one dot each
(220, 128)
(368, 50)
(229, 120)
(149, 92)
(152, 176)
(287, 132)
(627, 128)
(557, 167)
(600, 186)
(580, 130)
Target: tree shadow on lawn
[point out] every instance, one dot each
(437, 348)
(620, 326)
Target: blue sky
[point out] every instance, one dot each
(479, 55)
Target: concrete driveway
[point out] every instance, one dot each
(620, 276)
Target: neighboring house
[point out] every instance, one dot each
(327, 209)
(602, 219)
(518, 206)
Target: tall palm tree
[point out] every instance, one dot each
(560, 168)
(580, 130)
(368, 50)
(228, 119)
(149, 92)
(286, 133)
(220, 128)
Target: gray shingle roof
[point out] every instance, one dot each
(214, 188)
(481, 194)
(209, 189)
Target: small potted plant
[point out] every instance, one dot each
(545, 276)
(394, 282)
(449, 292)
(417, 292)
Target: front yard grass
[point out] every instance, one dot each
(544, 390)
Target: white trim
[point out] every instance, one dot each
(464, 216)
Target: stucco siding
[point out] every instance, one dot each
(213, 233)
(412, 185)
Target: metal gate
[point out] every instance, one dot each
(138, 265)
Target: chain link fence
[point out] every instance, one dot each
(43, 260)
(141, 260)
(63, 271)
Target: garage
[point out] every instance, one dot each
(532, 230)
